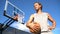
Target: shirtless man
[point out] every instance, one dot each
(41, 18)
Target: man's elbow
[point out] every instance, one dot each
(54, 24)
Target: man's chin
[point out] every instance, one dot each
(37, 9)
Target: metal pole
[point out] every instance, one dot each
(6, 4)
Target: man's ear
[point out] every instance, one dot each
(40, 6)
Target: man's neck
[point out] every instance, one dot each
(39, 11)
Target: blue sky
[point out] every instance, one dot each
(50, 6)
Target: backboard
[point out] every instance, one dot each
(13, 10)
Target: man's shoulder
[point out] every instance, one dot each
(32, 15)
(48, 14)
(45, 12)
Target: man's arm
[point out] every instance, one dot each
(33, 26)
(30, 20)
(53, 22)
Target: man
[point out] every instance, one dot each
(42, 19)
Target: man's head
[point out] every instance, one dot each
(37, 6)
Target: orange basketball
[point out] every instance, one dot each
(35, 27)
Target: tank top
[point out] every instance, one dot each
(42, 19)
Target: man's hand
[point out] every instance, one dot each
(50, 27)
(34, 27)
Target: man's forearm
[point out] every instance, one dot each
(54, 24)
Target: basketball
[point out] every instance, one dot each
(34, 27)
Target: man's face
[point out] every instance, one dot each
(37, 6)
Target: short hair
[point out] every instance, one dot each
(39, 4)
